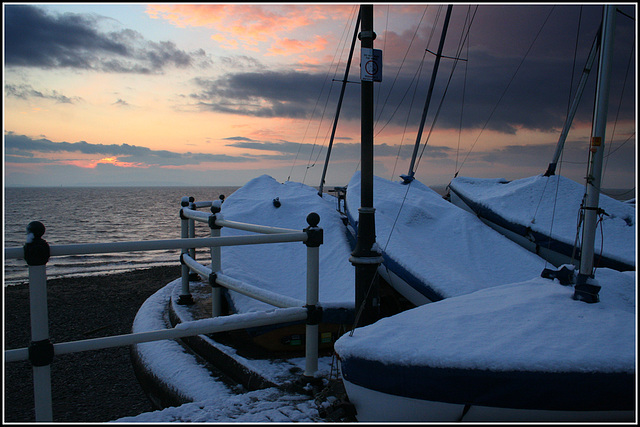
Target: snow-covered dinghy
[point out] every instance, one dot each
(519, 352)
(541, 214)
(281, 267)
(433, 249)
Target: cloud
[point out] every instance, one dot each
(340, 150)
(287, 46)
(245, 26)
(22, 149)
(260, 94)
(35, 38)
(25, 91)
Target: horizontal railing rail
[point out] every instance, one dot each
(205, 217)
(36, 252)
(186, 329)
(154, 245)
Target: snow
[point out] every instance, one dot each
(532, 202)
(531, 325)
(441, 244)
(268, 405)
(168, 358)
(268, 266)
(500, 313)
(213, 401)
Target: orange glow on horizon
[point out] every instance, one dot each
(92, 164)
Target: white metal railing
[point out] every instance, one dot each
(36, 252)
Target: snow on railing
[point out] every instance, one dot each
(36, 252)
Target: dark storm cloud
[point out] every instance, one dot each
(281, 147)
(520, 74)
(265, 94)
(340, 150)
(35, 38)
(20, 149)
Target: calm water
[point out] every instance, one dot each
(101, 214)
(105, 214)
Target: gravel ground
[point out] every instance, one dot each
(91, 386)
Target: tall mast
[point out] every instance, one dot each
(335, 120)
(365, 256)
(584, 290)
(409, 177)
(551, 169)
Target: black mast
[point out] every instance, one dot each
(409, 177)
(365, 258)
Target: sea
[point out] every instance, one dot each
(98, 214)
(102, 214)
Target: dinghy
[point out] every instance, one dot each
(518, 352)
(532, 350)
(550, 207)
(279, 268)
(434, 250)
(547, 226)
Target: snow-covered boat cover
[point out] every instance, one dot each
(549, 206)
(494, 346)
(440, 249)
(282, 267)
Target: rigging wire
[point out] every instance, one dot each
(624, 84)
(335, 61)
(464, 89)
(415, 33)
(322, 90)
(504, 92)
(453, 68)
(547, 181)
(416, 80)
(384, 47)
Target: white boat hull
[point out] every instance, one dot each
(375, 406)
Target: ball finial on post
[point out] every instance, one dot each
(313, 219)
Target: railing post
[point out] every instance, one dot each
(192, 234)
(36, 254)
(185, 294)
(216, 260)
(314, 313)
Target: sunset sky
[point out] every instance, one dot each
(216, 94)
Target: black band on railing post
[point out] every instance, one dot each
(41, 353)
(212, 222)
(315, 235)
(213, 277)
(314, 314)
(36, 250)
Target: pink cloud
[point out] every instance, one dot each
(287, 46)
(249, 25)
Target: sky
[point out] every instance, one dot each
(217, 94)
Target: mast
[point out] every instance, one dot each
(365, 257)
(335, 120)
(551, 169)
(585, 290)
(409, 177)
